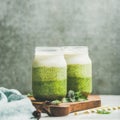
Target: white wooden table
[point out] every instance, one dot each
(107, 100)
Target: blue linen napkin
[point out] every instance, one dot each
(15, 106)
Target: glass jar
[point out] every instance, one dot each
(49, 74)
(79, 69)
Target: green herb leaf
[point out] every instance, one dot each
(29, 94)
(71, 94)
(103, 112)
(65, 100)
(79, 96)
(56, 102)
(74, 97)
(81, 99)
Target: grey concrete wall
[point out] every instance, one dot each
(25, 24)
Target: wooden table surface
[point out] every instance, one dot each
(107, 100)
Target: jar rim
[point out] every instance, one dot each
(48, 50)
(75, 49)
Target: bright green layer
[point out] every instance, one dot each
(79, 77)
(79, 70)
(80, 84)
(49, 90)
(49, 73)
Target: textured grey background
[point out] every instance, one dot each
(25, 24)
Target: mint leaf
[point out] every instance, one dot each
(65, 100)
(56, 102)
(71, 94)
(74, 97)
(103, 112)
(29, 94)
(81, 99)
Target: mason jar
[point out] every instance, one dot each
(79, 69)
(49, 74)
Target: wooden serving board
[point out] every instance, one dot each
(66, 108)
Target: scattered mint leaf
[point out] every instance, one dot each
(65, 100)
(103, 112)
(29, 94)
(81, 99)
(55, 102)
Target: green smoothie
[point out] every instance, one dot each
(79, 78)
(49, 83)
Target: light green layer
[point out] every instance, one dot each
(49, 73)
(79, 70)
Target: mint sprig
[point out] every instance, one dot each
(74, 97)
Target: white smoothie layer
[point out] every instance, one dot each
(77, 59)
(49, 60)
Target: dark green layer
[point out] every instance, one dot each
(80, 84)
(49, 90)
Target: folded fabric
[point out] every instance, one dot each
(14, 105)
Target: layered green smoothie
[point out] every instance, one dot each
(49, 83)
(79, 78)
